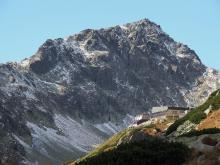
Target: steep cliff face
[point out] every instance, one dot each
(75, 92)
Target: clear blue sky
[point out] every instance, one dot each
(26, 24)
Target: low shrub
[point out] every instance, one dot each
(201, 132)
(197, 117)
(149, 152)
(174, 126)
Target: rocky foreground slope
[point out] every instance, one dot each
(77, 91)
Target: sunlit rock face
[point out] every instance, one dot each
(75, 92)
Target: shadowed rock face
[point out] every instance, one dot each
(92, 81)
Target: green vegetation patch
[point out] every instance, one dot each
(153, 151)
(198, 114)
(201, 132)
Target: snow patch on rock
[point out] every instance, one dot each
(77, 134)
(202, 87)
(25, 63)
(70, 135)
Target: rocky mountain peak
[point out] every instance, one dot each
(83, 88)
(143, 36)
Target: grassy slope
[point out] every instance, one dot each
(152, 151)
(111, 143)
(197, 115)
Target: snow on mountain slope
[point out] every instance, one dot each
(75, 92)
(209, 81)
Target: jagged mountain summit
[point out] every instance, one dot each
(75, 92)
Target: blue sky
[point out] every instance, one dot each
(26, 24)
